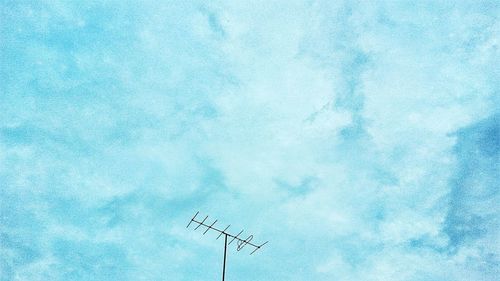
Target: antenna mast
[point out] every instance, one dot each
(241, 243)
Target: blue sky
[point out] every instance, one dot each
(361, 138)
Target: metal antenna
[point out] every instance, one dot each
(241, 243)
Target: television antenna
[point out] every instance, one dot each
(240, 243)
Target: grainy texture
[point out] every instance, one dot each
(364, 134)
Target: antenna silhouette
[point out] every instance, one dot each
(240, 243)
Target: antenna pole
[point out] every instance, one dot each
(240, 242)
(224, 263)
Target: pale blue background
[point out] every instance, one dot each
(360, 137)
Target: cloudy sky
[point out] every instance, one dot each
(361, 138)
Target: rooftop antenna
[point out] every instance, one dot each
(240, 243)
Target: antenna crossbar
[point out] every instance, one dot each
(240, 242)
